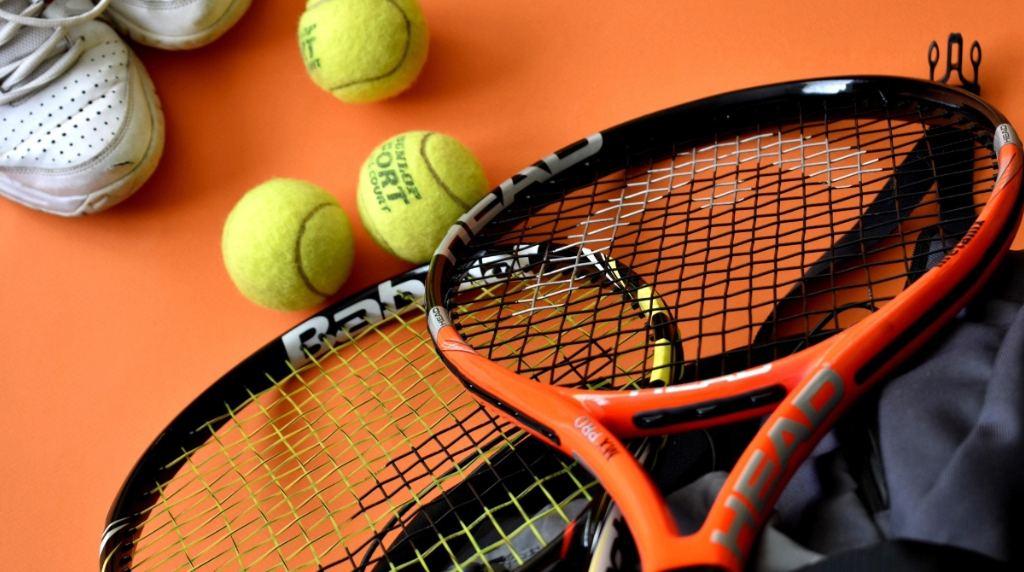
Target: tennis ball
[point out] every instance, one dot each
(413, 188)
(288, 245)
(363, 50)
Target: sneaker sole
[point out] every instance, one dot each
(113, 193)
(231, 17)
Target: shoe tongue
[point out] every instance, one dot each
(26, 40)
(14, 6)
(29, 38)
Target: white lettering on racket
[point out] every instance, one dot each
(760, 477)
(317, 334)
(505, 194)
(497, 268)
(590, 430)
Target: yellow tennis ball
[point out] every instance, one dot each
(288, 245)
(363, 50)
(413, 188)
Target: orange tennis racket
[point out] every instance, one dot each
(774, 251)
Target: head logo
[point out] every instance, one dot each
(761, 475)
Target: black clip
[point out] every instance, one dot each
(958, 41)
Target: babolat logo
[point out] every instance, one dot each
(317, 334)
(761, 475)
(590, 430)
(494, 203)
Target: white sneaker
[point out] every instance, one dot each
(175, 24)
(80, 123)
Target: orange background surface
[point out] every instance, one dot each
(111, 324)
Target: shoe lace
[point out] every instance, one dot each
(14, 76)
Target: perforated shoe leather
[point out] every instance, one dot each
(80, 123)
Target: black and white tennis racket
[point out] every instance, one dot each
(346, 445)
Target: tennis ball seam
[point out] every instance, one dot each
(430, 167)
(298, 250)
(401, 61)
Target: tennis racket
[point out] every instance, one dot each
(775, 251)
(346, 445)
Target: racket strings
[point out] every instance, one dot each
(491, 301)
(654, 244)
(793, 210)
(370, 458)
(571, 329)
(761, 242)
(788, 137)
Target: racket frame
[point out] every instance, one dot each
(818, 384)
(276, 360)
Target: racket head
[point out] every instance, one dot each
(346, 445)
(891, 201)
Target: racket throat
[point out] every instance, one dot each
(778, 449)
(750, 403)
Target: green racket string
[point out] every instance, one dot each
(335, 466)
